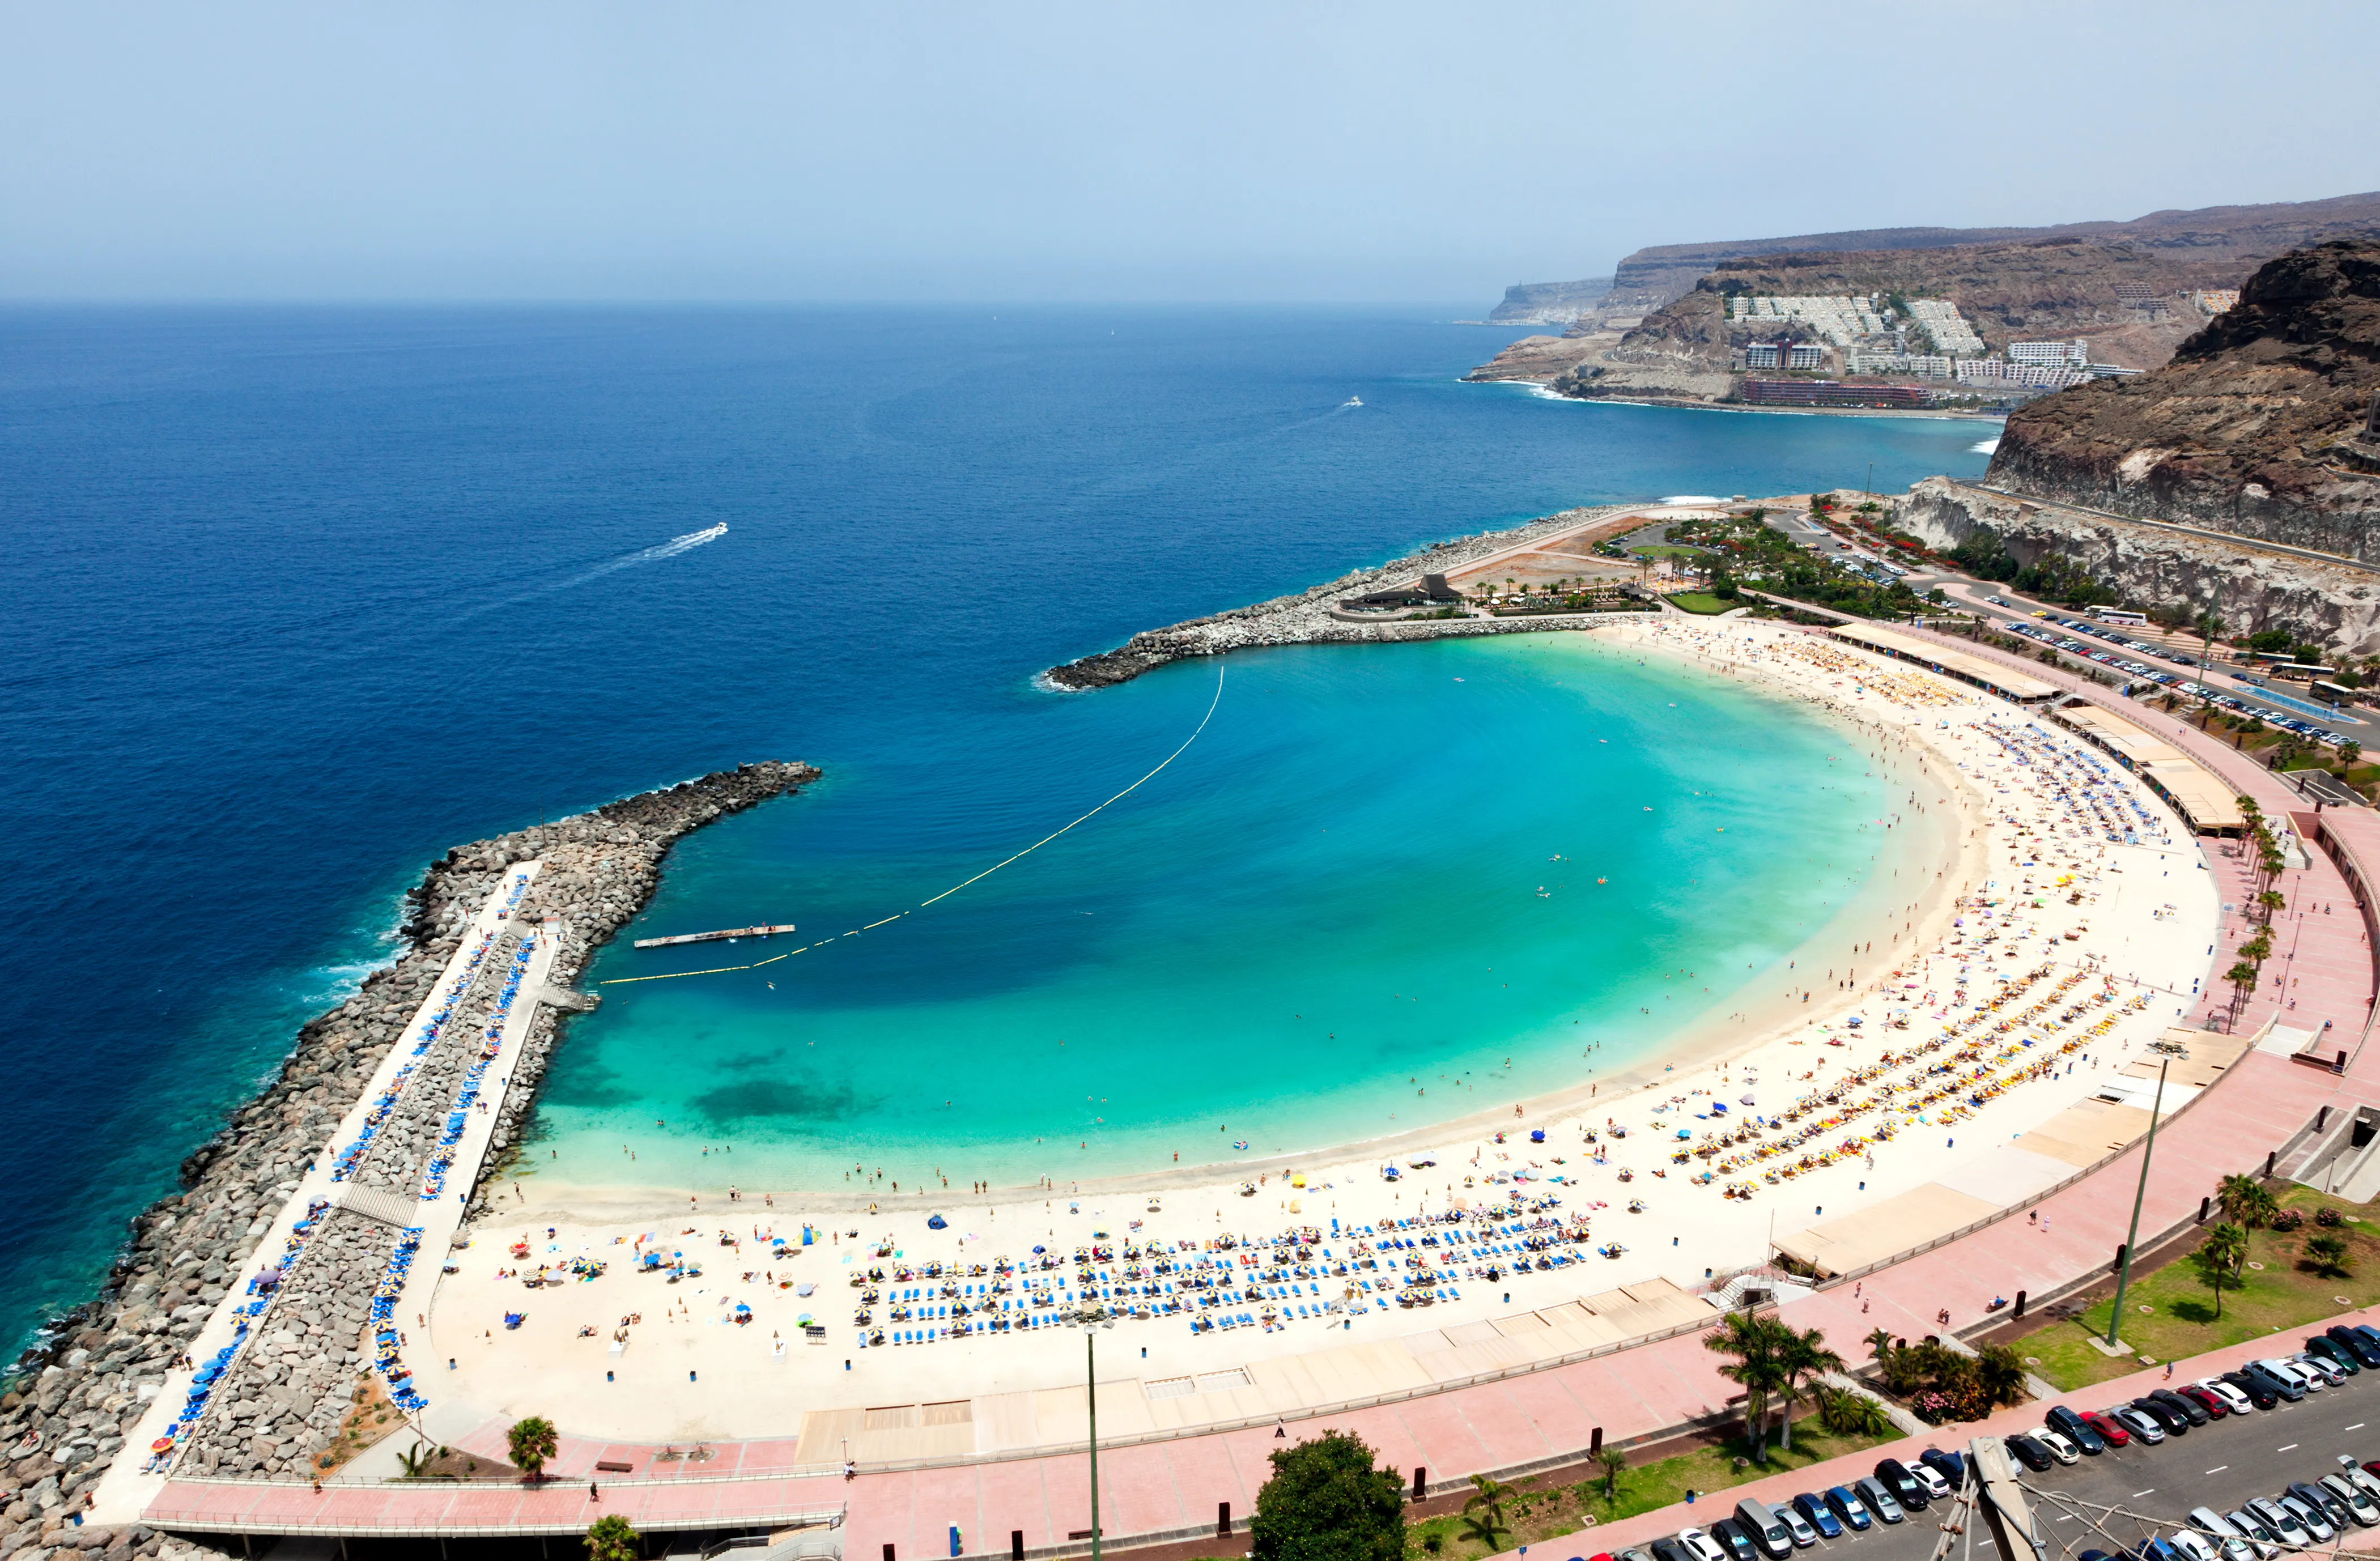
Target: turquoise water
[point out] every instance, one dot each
(1329, 905)
(308, 596)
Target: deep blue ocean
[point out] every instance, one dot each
(299, 599)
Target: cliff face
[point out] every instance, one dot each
(2252, 587)
(2236, 234)
(1548, 303)
(1678, 352)
(2251, 428)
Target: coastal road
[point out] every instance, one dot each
(2220, 1465)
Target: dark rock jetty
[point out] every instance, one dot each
(1309, 617)
(73, 1399)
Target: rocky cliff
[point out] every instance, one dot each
(2251, 586)
(2252, 428)
(2236, 235)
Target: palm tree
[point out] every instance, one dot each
(1483, 1512)
(1879, 1344)
(2245, 1201)
(1800, 1356)
(1614, 1463)
(1751, 1344)
(2001, 1372)
(612, 1539)
(2220, 1256)
(417, 1459)
(532, 1442)
(2271, 904)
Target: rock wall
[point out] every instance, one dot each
(2252, 588)
(1306, 618)
(72, 1400)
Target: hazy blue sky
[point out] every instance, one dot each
(1116, 150)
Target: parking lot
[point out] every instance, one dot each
(2221, 1464)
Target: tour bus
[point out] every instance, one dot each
(2334, 693)
(2307, 670)
(2121, 616)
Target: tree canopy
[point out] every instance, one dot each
(1325, 1502)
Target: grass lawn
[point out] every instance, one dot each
(1702, 602)
(2169, 1313)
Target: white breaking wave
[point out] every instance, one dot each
(1693, 499)
(1984, 447)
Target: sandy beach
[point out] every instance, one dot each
(1992, 876)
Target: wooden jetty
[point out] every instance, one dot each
(713, 937)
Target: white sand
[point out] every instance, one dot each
(2149, 913)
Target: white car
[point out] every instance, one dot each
(2229, 1537)
(1701, 1546)
(2229, 1393)
(2060, 1447)
(2359, 1476)
(1926, 1474)
(2193, 1546)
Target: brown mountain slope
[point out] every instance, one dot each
(2251, 428)
(1658, 273)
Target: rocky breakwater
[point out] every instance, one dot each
(2253, 587)
(1308, 618)
(2257, 426)
(71, 1401)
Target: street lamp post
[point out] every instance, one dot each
(2132, 1237)
(1092, 1326)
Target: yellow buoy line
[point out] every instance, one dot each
(725, 970)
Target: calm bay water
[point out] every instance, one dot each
(300, 599)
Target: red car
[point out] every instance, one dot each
(2212, 1403)
(2114, 1434)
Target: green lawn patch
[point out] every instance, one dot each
(2280, 1300)
(1549, 1514)
(1702, 602)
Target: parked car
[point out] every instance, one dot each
(2332, 1355)
(1845, 1504)
(1731, 1534)
(2190, 1546)
(1797, 1527)
(2260, 1535)
(2286, 1525)
(2283, 1385)
(2071, 1425)
(2249, 1393)
(2224, 1535)
(2325, 1373)
(2189, 1409)
(2362, 1478)
(2167, 1419)
(2323, 1504)
(1948, 1465)
(2061, 1446)
(1879, 1500)
(2109, 1432)
(2214, 1403)
(2366, 1353)
(2290, 1371)
(2156, 1549)
(2143, 1425)
(2310, 1516)
(1812, 1507)
(1671, 1550)
(1937, 1487)
(1767, 1530)
(1699, 1546)
(2028, 1452)
(2359, 1505)
(1895, 1477)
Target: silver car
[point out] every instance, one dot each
(2360, 1506)
(2283, 1521)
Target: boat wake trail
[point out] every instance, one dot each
(669, 549)
(723, 969)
